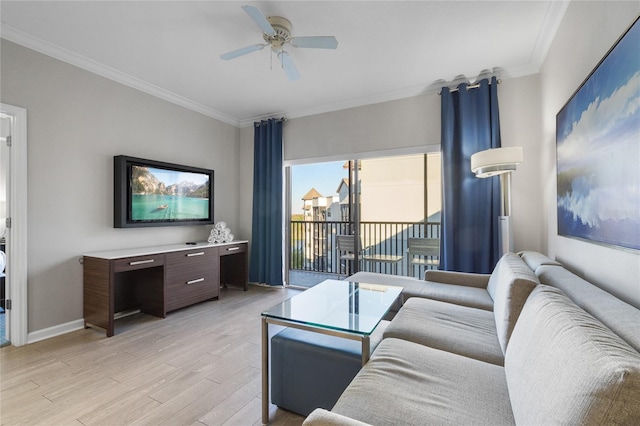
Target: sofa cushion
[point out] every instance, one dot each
(565, 367)
(510, 284)
(458, 329)
(411, 287)
(535, 259)
(468, 279)
(322, 417)
(410, 384)
(622, 318)
(473, 297)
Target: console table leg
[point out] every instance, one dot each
(265, 371)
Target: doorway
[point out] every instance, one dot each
(13, 215)
(5, 141)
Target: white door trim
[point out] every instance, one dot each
(17, 241)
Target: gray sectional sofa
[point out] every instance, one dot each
(530, 344)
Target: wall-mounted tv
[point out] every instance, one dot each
(155, 193)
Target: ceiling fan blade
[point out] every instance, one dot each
(289, 67)
(316, 42)
(257, 16)
(243, 51)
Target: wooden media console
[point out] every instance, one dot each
(157, 280)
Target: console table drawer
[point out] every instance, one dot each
(191, 277)
(182, 278)
(191, 289)
(189, 265)
(233, 249)
(138, 262)
(191, 258)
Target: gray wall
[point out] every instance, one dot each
(77, 122)
(588, 31)
(404, 123)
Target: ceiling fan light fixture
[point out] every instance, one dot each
(282, 28)
(276, 32)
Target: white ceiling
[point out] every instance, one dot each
(387, 49)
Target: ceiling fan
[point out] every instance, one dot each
(276, 32)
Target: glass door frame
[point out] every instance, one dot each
(354, 210)
(287, 225)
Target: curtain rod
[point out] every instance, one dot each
(470, 86)
(259, 122)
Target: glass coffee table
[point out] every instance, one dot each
(344, 309)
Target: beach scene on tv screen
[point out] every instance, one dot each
(159, 194)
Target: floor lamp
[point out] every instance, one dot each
(493, 162)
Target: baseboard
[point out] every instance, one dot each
(56, 330)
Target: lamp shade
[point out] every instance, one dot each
(492, 162)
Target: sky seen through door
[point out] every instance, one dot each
(324, 177)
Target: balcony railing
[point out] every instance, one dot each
(313, 245)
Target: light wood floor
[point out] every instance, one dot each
(199, 366)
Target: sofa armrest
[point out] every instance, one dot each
(457, 278)
(322, 417)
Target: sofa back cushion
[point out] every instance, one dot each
(621, 317)
(510, 284)
(565, 367)
(535, 259)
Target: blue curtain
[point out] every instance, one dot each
(266, 237)
(470, 206)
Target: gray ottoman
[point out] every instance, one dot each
(311, 370)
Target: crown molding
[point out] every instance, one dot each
(554, 16)
(14, 35)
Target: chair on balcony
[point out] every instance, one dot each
(346, 251)
(424, 252)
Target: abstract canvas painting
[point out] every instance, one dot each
(598, 151)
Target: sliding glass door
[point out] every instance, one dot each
(382, 202)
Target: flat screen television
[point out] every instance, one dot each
(155, 193)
